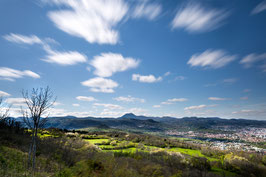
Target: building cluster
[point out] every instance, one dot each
(229, 138)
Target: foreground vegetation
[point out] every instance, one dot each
(116, 153)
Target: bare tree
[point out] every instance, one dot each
(38, 103)
(4, 110)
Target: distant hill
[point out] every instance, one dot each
(131, 121)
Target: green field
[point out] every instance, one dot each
(97, 141)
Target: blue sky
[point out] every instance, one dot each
(105, 58)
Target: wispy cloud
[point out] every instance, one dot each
(259, 8)
(195, 18)
(53, 56)
(146, 79)
(12, 74)
(251, 59)
(195, 107)
(4, 94)
(95, 21)
(147, 10)
(129, 99)
(211, 59)
(174, 100)
(156, 106)
(218, 99)
(21, 39)
(16, 101)
(65, 58)
(85, 98)
(230, 80)
(109, 63)
(75, 105)
(100, 84)
(167, 73)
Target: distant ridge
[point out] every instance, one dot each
(146, 123)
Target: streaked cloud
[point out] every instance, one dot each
(85, 98)
(99, 84)
(211, 59)
(94, 21)
(250, 112)
(53, 56)
(138, 111)
(129, 99)
(75, 104)
(12, 74)
(109, 63)
(16, 101)
(252, 59)
(57, 104)
(173, 100)
(167, 73)
(218, 99)
(180, 78)
(259, 8)
(65, 58)
(4, 94)
(195, 18)
(21, 39)
(156, 106)
(146, 79)
(195, 107)
(230, 80)
(147, 10)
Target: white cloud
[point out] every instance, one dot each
(61, 58)
(64, 58)
(167, 73)
(195, 107)
(76, 105)
(99, 84)
(129, 99)
(251, 113)
(173, 100)
(259, 8)
(95, 21)
(57, 104)
(16, 101)
(211, 59)
(230, 80)
(21, 39)
(85, 98)
(138, 111)
(156, 106)
(195, 18)
(12, 74)
(253, 58)
(108, 106)
(217, 99)
(109, 63)
(145, 10)
(3, 94)
(147, 79)
(110, 113)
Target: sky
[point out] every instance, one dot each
(105, 58)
